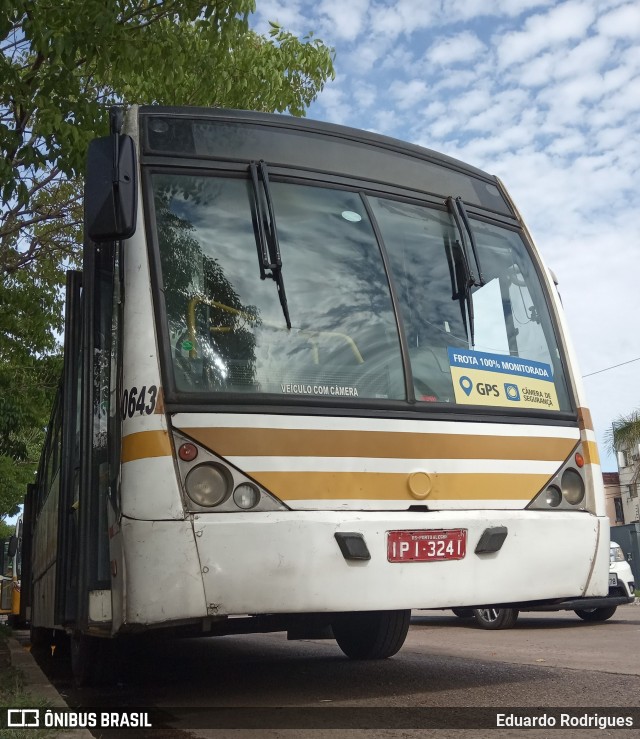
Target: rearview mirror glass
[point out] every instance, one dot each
(110, 192)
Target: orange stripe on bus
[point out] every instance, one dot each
(584, 419)
(590, 452)
(389, 486)
(145, 444)
(240, 442)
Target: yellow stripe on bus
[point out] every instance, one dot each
(584, 419)
(590, 452)
(388, 486)
(240, 442)
(145, 444)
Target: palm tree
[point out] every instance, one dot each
(624, 434)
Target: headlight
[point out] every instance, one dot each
(553, 496)
(566, 490)
(246, 496)
(616, 554)
(208, 485)
(572, 487)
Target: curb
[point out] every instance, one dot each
(36, 683)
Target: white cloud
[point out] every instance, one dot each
(409, 93)
(610, 138)
(574, 143)
(564, 22)
(345, 19)
(364, 95)
(336, 106)
(565, 97)
(463, 47)
(385, 120)
(474, 101)
(402, 17)
(399, 57)
(589, 55)
(536, 72)
(367, 55)
(469, 10)
(461, 80)
(623, 22)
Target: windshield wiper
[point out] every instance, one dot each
(474, 248)
(464, 277)
(266, 233)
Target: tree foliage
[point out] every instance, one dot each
(62, 64)
(624, 434)
(6, 530)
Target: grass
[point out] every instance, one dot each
(14, 695)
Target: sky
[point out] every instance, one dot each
(543, 94)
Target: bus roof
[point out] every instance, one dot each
(338, 149)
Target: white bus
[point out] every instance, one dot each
(314, 378)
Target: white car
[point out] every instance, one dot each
(621, 591)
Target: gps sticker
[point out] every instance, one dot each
(481, 378)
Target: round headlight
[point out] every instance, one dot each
(208, 484)
(246, 496)
(616, 554)
(553, 496)
(572, 487)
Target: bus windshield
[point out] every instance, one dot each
(228, 325)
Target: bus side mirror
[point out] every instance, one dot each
(111, 188)
(13, 547)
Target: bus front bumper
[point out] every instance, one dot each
(291, 562)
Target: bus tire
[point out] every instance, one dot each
(495, 618)
(371, 634)
(596, 614)
(84, 651)
(463, 612)
(94, 660)
(40, 639)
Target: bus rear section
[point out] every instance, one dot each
(314, 378)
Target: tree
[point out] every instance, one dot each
(62, 64)
(624, 434)
(6, 530)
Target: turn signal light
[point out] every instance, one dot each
(188, 452)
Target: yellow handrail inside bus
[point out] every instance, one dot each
(311, 335)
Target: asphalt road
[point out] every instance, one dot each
(547, 660)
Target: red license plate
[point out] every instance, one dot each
(426, 546)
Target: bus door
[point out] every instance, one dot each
(66, 602)
(97, 473)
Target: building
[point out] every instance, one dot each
(613, 498)
(629, 473)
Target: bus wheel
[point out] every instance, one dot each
(596, 614)
(84, 654)
(94, 660)
(40, 638)
(495, 618)
(371, 634)
(463, 612)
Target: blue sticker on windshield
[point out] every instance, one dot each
(481, 378)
